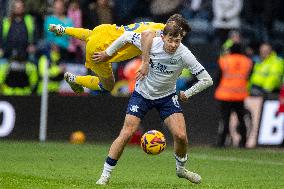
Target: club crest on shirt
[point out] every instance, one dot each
(174, 60)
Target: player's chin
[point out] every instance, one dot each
(172, 51)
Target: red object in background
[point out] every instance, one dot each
(130, 72)
(136, 138)
(281, 101)
(120, 73)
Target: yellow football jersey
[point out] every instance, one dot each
(104, 35)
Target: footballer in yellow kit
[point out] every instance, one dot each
(102, 36)
(98, 40)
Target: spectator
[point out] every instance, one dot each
(226, 17)
(197, 9)
(232, 91)
(126, 11)
(38, 9)
(267, 74)
(18, 31)
(58, 17)
(75, 13)
(3, 3)
(261, 14)
(199, 14)
(90, 18)
(55, 71)
(162, 9)
(97, 12)
(104, 12)
(234, 37)
(18, 77)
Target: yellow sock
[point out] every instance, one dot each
(88, 81)
(78, 33)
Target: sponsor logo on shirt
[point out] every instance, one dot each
(160, 67)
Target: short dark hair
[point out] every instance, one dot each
(173, 30)
(180, 21)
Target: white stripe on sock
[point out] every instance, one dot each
(107, 169)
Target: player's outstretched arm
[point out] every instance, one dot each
(204, 81)
(126, 37)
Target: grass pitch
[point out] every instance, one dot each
(62, 165)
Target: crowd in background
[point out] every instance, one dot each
(26, 45)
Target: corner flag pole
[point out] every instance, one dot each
(44, 105)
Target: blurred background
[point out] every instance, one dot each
(257, 26)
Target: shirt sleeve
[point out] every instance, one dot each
(204, 79)
(126, 37)
(191, 63)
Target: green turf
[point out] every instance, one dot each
(62, 165)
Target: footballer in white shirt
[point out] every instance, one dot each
(156, 88)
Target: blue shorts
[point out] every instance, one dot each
(139, 106)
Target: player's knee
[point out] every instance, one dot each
(126, 136)
(128, 131)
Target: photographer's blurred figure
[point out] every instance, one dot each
(18, 77)
(231, 92)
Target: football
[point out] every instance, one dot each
(77, 137)
(153, 142)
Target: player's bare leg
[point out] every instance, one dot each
(131, 125)
(176, 125)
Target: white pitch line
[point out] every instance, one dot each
(234, 159)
